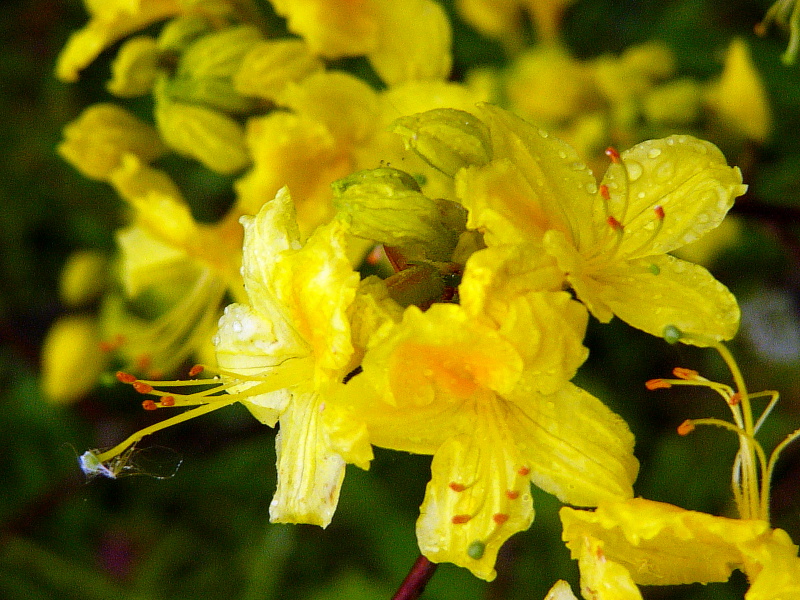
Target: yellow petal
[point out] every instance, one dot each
(477, 498)
(602, 578)
(310, 474)
(333, 28)
(661, 544)
(83, 277)
(655, 292)
(688, 178)
(134, 178)
(413, 42)
(739, 97)
(148, 260)
(559, 183)
(576, 448)
(560, 591)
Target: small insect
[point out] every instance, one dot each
(157, 462)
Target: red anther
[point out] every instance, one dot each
(613, 155)
(461, 519)
(659, 210)
(512, 494)
(142, 388)
(759, 29)
(686, 427)
(457, 487)
(499, 518)
(657, 384)
(149, 405)
(687, 374)
(125, 377)
(523, 471)
(196, 370)
(735, 399)
(168, 401)
(604, 192)
(375, 255)
(614, 224)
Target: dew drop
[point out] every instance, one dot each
(654, 153)
(577, 166)
(634, 170)
(237, 327)
(562, 154)
(591, 188)
(543, 133)
(215, 340)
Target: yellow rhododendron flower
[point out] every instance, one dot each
(442, 383)
(651, 543)
(611, 241)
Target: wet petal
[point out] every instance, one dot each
(310, 474)
(688, 178)
(477, 498)
(576, 448)
(652, 293)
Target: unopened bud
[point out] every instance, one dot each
(270, 65)
(135, 68)
(446, 138)
(386, 205)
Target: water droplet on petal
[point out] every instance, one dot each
(591, 188)
(543, 133)
(634, 169)
(562, 154)
(654, 153)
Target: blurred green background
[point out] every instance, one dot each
(204, 532)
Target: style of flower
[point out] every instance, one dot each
(443, 383)
(611, 241)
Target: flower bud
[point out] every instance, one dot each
(83, 277)
(71, 359)
(447, 139)
(386, 205)
(204, 134)
(95, 142)
(135, 68)
(206, 69)
(179, 33)
(270, 65)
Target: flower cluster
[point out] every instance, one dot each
(467, 350)
(489, 242)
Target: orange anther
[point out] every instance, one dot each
(126, 377)
(686, 427)
(168, 401)
(149, 405)
(659, 210)
(142, 388)
(457, 487)
(196, 370)
(143, 361)
(614, 224)
(604, 192)
(155, 374)
(461, 519)
(613, 155)
(735, 399)
(687, 374)
(523, 471)
(512, 494)
(106, 346)
(499, 518)
(657, 384)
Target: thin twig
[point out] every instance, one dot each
(416, 580)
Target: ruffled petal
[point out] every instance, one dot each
(661, 544)
(576, 448)
(310, 474)
(688, 178)
(478, 496)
